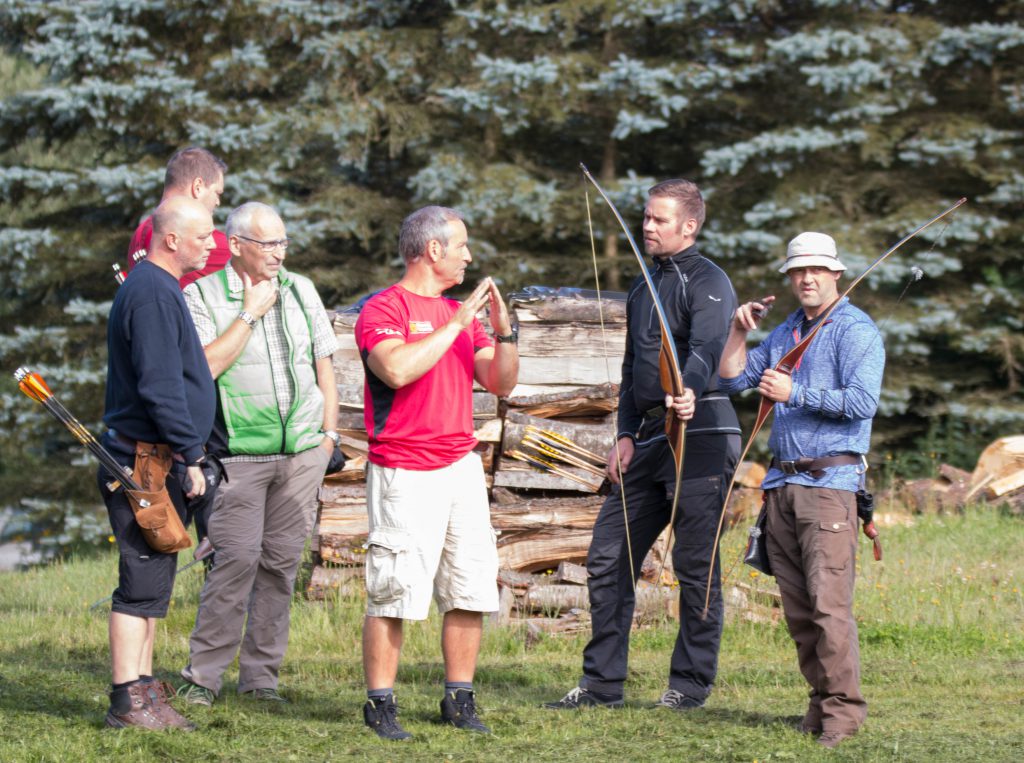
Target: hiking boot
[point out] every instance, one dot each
(459, 709)
(194, 694)
(580, 697)
(142, 713)
(266, 694)
(159, 693)
(831, 739)
(676, 700)
(381, 715)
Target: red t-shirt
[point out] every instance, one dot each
(139, 247)
(427, 424)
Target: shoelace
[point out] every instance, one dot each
(391, 718)
(671, 697)
(467, 708)
(573, 697)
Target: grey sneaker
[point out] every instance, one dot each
(676, 700)
(381, 715)
(459, 709)
(580, 697)
(194, 694)
(266, 694)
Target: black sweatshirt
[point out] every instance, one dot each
(699, 303)
(159, 386)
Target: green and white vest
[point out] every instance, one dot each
(248, 400)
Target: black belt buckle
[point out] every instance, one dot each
(788, 467)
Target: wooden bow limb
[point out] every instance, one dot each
(669, 371)
(786, 365)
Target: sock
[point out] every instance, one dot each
(450, 687)
(120, 699)
(378, 695)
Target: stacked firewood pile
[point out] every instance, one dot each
(543, 450)
(998, 478)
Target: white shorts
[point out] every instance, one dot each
(430, 533)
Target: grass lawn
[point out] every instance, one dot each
(942, 649)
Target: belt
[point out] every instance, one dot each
(814, 466)
(122, 439)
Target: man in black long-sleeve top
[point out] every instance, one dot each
(160, 391)
(699, 302)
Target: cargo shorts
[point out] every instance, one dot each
(430, 534)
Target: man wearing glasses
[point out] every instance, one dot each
(269, 343)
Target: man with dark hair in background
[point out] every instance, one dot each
(699, 301)
(192, 173)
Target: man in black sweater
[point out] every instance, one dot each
(160, 391)
(699, 302)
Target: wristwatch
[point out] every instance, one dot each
(512, 338)
(335, 437)
(247, 318)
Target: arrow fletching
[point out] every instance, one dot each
(32, 384)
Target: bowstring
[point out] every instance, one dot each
(604, 348)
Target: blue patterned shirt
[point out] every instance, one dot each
(835, 394)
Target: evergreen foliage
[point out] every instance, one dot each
(858, 118)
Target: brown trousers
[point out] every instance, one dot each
(812, 544)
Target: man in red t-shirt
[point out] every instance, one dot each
(430, 528)
(192, 173)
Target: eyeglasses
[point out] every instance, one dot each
(266, 246)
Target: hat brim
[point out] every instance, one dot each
(812, 261)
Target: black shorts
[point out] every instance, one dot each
(145, 577)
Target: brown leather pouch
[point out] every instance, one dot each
(154, 511)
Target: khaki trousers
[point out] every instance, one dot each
(258, 527)
(812, 543)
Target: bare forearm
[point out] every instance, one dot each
(329, 388)
(734, 356)
(503, 370)
(398, 363)
(223, 351)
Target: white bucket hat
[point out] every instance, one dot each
(812, 250)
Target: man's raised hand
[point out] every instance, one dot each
(750, 314)
(474, 303)
(258, 298)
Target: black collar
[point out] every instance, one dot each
(679, 258)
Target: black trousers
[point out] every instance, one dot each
(649, 483)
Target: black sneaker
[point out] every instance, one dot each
(676, 700)
(459, 709)
(381, 715)
(580, 697)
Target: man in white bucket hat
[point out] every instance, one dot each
(820, 434)
(809, 250)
